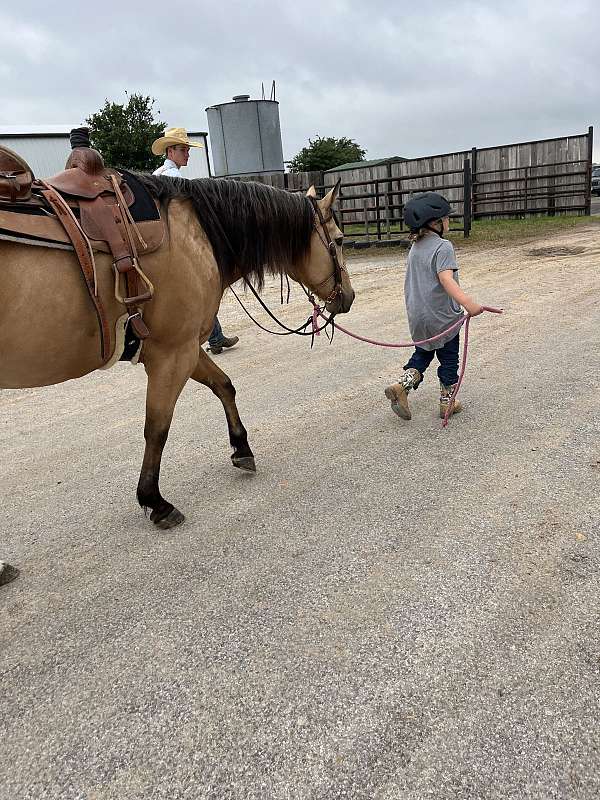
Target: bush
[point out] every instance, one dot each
(123, 133)
(326, 153)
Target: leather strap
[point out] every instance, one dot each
(331, 249)
(103, 219)
(85, 256)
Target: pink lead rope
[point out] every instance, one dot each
(465, 320)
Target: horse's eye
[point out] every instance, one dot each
(339, 241)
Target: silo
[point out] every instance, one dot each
(245, 137)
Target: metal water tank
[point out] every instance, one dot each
(245, 137)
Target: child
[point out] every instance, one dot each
(433, 301)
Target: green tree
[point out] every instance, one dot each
(123, 133)
(326, 153)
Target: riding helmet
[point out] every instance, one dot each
(422, 208)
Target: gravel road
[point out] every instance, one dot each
(385, 611)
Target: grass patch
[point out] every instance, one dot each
(493, 231)
(502, 231)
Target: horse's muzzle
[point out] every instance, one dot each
(342, 302)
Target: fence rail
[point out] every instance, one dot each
(549, 177)
(373, 209)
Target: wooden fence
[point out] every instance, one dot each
(543, 177)
(374, 208)
(550, 177)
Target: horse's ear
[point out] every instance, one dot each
(331, 195)
(312, 192)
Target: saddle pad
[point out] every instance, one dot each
(143, 209)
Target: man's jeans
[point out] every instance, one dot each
(446, 355)
(216, 335)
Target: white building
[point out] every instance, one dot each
(46, 149)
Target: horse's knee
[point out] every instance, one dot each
(229, 388)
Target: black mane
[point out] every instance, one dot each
(253, 228)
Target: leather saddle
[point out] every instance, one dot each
(85, 208)
(15, 176)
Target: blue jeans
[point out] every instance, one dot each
(446, 355)
(217, 333)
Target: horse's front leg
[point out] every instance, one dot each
(167, 373)
(209, 374)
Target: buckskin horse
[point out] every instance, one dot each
(217, 232)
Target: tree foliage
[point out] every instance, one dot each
(326, 153)
(123, 133)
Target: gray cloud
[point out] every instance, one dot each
(399, 81)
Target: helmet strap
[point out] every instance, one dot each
(435, 230)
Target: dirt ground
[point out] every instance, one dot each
(386, 610)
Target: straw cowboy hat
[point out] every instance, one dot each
(172, 136)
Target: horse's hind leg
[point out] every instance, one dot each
(209, 374)
(167, 375)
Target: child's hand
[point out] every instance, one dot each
(472, 308)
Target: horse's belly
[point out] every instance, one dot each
(48, 328)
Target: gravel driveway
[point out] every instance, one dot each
(386, 610)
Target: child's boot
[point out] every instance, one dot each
(445, 395)
(397, 393)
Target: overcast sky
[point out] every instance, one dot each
(400, 78)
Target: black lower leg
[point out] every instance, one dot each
(162, 513)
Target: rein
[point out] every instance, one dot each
(317, 312)
(338, 269)
(464, 320)
(301, 330)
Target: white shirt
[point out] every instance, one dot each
(169, 168)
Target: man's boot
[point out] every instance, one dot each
(7, 573)
(226, 341)
(397, 393)
(445, 395)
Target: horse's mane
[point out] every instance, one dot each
(253, 228)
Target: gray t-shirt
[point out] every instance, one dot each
(430, 309)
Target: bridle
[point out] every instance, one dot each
(331, 247)
(320, 226)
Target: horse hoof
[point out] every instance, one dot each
(244, 462)
(7, 573)
(172, 520)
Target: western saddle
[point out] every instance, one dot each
(85, 208)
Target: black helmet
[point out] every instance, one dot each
(422, 208)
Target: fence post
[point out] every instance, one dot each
(377, 211)
(386, 208)
(400, 205)
(366, 212)
(551, 197)
(588, 169)
(467, 198)
(474, 182)
(388, 199)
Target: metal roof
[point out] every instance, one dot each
(46, 151)
(37, 131)
(361, 164)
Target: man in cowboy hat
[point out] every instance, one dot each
(175, 145)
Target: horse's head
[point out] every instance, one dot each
(324, 270)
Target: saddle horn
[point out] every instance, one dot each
(83, 154)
